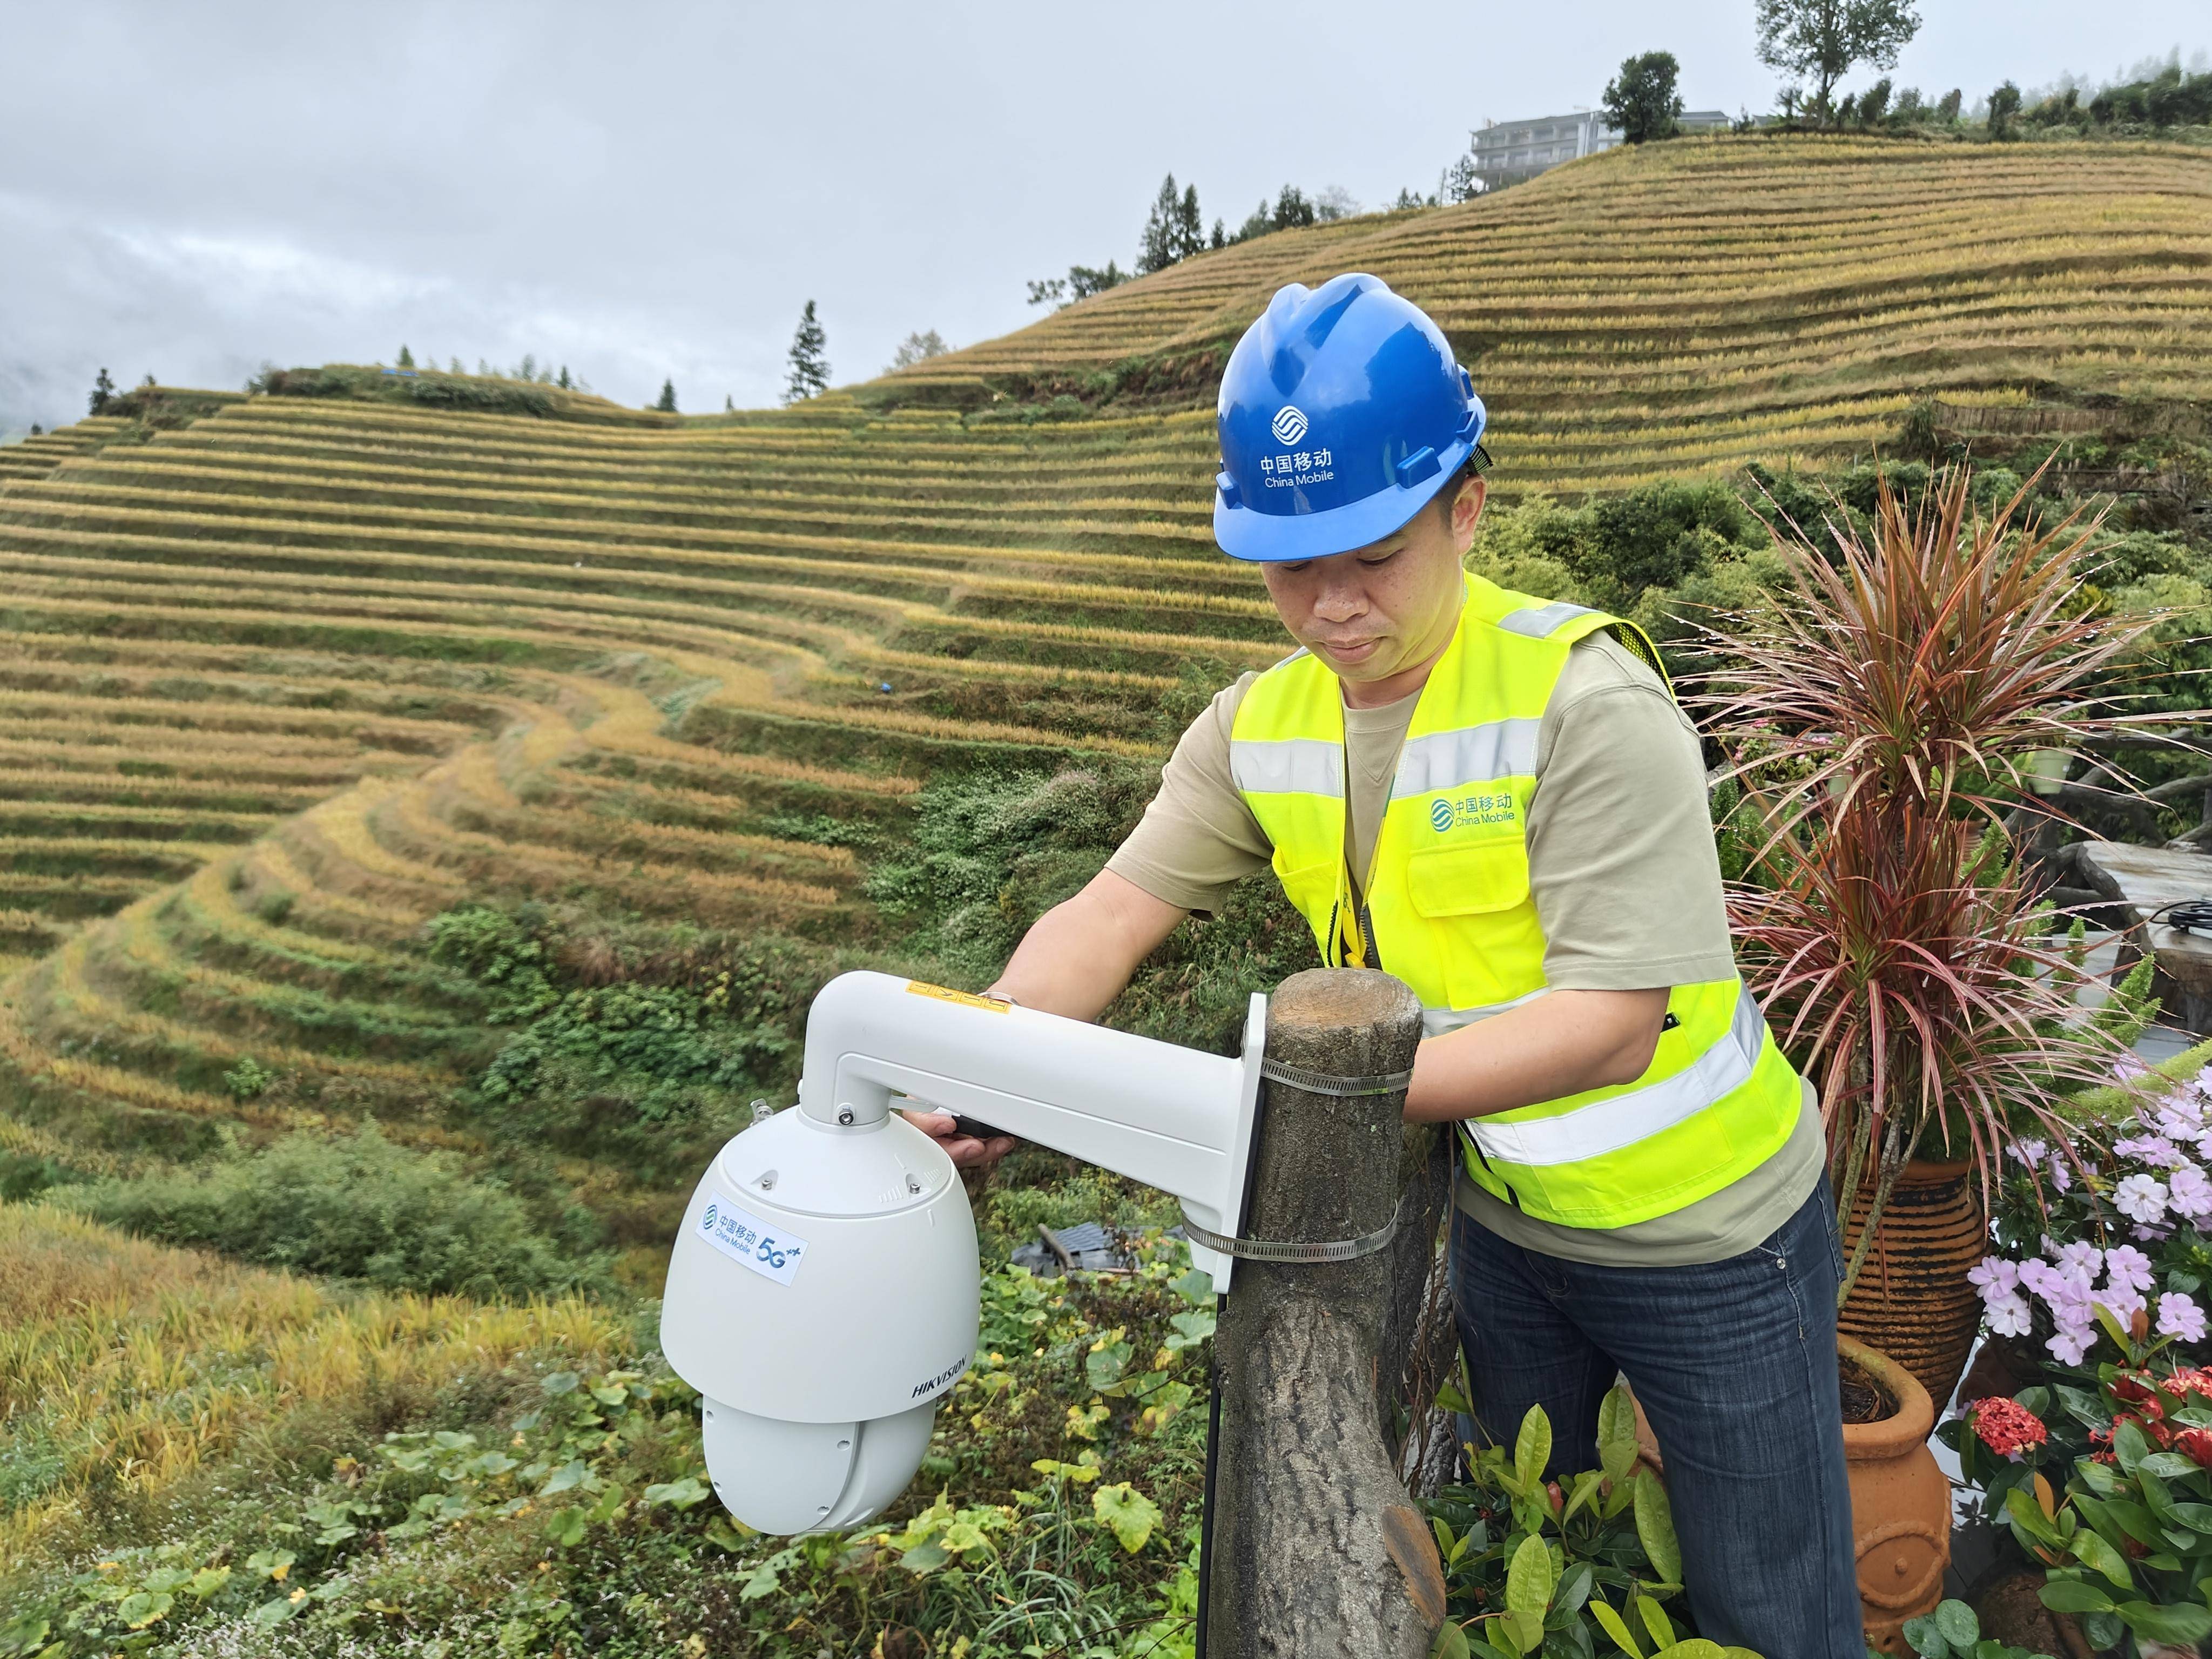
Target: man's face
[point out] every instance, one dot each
(1381, 612)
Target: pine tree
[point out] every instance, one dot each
(453, 366)
(103, 390)
(563, 382)
(1190, 225)
(729, 404)
(406, 357)
(667, 403)
(810, 366)
(1156, 249)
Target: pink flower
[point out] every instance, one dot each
(2140, 1198)
(2008, 1315)
(2150, 1149)
(2123, 1302)
(1994, 1277)
(2189, 1193)
(2179, 1316)
(2030, 1152)
(2067, 1345)
(2080, 1258)
(2128, 1267)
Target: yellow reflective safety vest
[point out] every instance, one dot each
(1446, 906)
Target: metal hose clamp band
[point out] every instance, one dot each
(1321, 1083)
(1284, 1249)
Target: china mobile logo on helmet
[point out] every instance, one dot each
(1289, 424)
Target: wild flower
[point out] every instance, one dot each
(2179, 1316)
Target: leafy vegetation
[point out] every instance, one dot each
(355, 1207)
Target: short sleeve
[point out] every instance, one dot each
(1621, 859)
(1197, 838)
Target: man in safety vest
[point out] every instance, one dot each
(1496, 800)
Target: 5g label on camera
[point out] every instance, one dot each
(744, 1237)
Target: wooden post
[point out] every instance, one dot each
(1315, 1549)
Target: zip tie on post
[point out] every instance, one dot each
(1321, 1083)
(1285, 1249)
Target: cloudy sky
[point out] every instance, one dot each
(649, 189)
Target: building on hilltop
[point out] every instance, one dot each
(1507, 152)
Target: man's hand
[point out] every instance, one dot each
(966, 1152)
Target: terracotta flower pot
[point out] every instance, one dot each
(1900, 1502)
(1912, 1297)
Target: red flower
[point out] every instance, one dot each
(2006, 1425)
(2195, 1444)
(2187, 1380)
(2131, 1387)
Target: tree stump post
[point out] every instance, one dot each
(1315, 1548)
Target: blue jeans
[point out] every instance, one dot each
(1734, 1363)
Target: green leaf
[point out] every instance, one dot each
(2180, 1625)
(2131, 1445)
(2072, 1595)
(2028, 1515)
(1655, 1526)
(1586, 1485)
(1532, 1447)
(925, 1557)
(1616, 1433)
(2197, 1517)
(1450, 1643)
(1957, 1622)
(1926, 1638)
(1697, 1647)
(566, 1528)
(207, 1580)
(23, 1632)
(1524, 1630)
(560, 1383)
(1127, 1513)
(1656, 1621)
(275, 1611)
(1572, 1590)
(1616, 1627)
(2093, 1552)
(145, 1607)
(1104, 1366)
(679, 1495)
(1197, 1286)
(1531, 1576)
(575, 1473)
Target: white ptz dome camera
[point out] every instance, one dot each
(822, 1295)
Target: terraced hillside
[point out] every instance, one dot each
(1710, 301)
(283, 683)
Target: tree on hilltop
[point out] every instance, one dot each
(1821, 40)
(667, 403)
(2004, 104)
(563, 382)
(1642, 100)
(922, 344)
(103, 389)
(406, 357)
(810, 363)
(1174, 230)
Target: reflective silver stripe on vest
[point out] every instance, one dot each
(1435, 1022)
(1540, 620)
(1607, 1126)
(1472, 754)
(1287, 766)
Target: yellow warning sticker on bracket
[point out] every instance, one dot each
(942, 994)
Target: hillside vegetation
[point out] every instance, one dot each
(508, 773)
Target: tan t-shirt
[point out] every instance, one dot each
(1621, 865)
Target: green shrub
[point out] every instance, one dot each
(352, 1206)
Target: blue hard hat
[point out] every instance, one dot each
(1342, 413)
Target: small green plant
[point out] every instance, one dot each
(249, 1079)
(1953, 1631)
(1530, 1562)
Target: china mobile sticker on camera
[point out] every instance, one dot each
(744, 1237)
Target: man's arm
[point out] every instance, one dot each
(1559, 1044)
(1073, 961)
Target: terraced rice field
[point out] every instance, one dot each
(277, 686)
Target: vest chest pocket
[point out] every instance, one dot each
(1476, 879)
(1311, 890)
